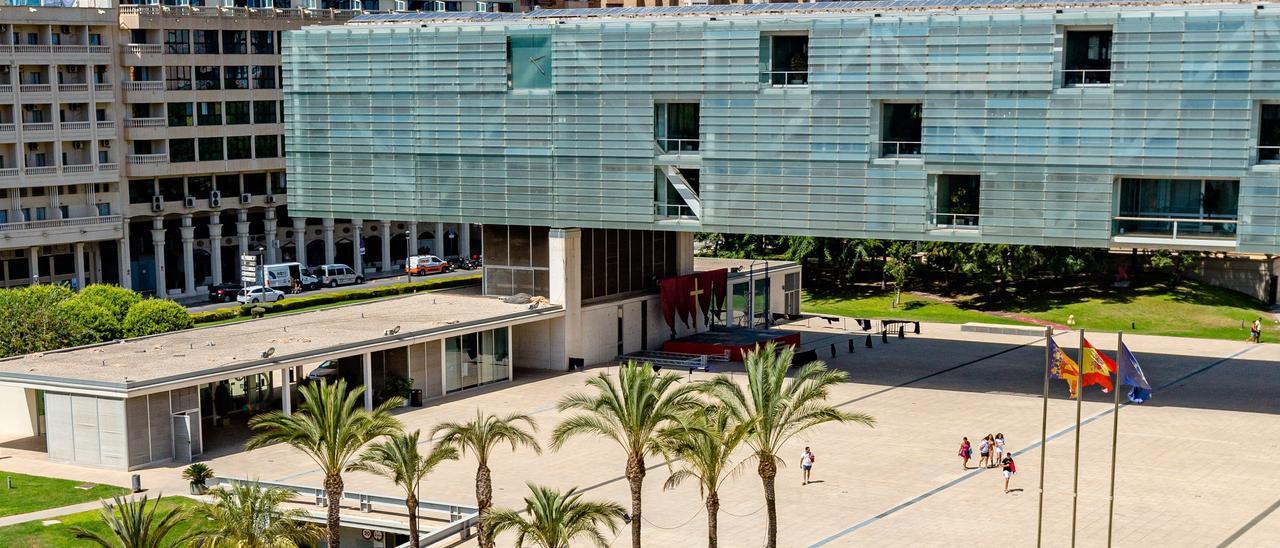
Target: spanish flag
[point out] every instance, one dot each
(1097, 367)
(1061, 366)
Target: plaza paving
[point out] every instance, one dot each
(1199, 463)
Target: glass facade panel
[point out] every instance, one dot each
(529, 62)
(957, 200)
(1178, 208)
(476, 359)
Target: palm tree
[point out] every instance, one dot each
(632, 412)
(778, 408)
(705, 447)
(330, 426)
(249, 516)
(479, 437)
(133, 523)
(399, 460)
(556, 519)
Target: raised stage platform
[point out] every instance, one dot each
(730, 341)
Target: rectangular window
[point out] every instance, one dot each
(900, 129)
(266, 146)
(264, 42)
(1269, 134)
(1178, 208)
(177, 41)
(233, 42)
(182, 150)
(236, 78)
(784, 60)
(209, 113)
(177, 78)
(957, 199)
(210, 148)
(278, 185)
(239, 147)
(141, 190)
(238, 113)
(179, 114)
(228, 185)
(529, 62)
(264, 77)
(264, 112)
(675, 127)
(1087, 58)
(208, 78)
(255, 183)
(206, 42)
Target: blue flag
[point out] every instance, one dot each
(1130, 373)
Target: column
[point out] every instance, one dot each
(366, 369)
(464, 239)
(385, 227)
(242, 231)
(413, 237)
(300, 239)
(157, 243)
(357, 226)
(437, 248)
(188, 256)
(286, 392)
(565, 251)
(33, 263)
(125, 268)
(215, 246)
(269, 226)
(79, 265)
(684, 253)
(327, 225)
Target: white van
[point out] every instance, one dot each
(281, 275)
(334, 275)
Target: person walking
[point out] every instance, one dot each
(999, 448)
(984, 452)
(966, 451)
(1255, 331)
(1009, 469)
(806, 464)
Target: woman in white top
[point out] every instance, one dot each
(999, 448)
(806, 464)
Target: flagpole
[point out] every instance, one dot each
(1075, 482)
(1044, 431)
(1115, 438)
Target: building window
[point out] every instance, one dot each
(784, 60)
(264, 112)
(141, 190)
(278, 185)
(266, 146)
(1178, 208)
(177, 78)
(239, 147)
(956, 202)
(236, 78)
(675, 126)
(209, 114)
(476, 359)
(177, 41)
(210, 148)
(179, 114)
(1087, 58)
(206, 42)
(255, 184)
(900, 129)
(264, 77)
(1269, 134)
(182, 150)
(529, 62)
(264, 42)
(238, 113)
(208, 78)
(233, 42)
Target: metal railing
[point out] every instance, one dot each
(899, 149)
(145, 85)
(784, 78)
(1268, 154)
(678, 145)
(35, 88)
(40, 170)
(1175, 228)
(955, 220)
(76, 126)
(73, 88)
(1078, 78)
(38, 126)
(226, 11)
(145, 122)
(147, 158)
(53, 223)
(674, 211)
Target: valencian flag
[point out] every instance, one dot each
(1061, 366)
(1097, 367)
(1131, 374)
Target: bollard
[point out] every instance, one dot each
(833, 351)
(137, 483)
(902, 332)
(8, 481)
(851, 345)
(868, 345)
(917, 328)
(884, 335)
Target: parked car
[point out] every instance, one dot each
(422, 265)
(259, 294)
(224, 292)
(281, 276)
(326, 371)
(334, 275)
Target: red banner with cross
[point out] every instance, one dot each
(693, 296)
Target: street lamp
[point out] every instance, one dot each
(408, 252)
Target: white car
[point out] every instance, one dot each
(259, 294)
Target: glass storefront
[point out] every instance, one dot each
(476, 359)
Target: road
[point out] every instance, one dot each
(376, 282)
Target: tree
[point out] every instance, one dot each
(632, 412)
(31, 320)
(114, 298)
(779, 408)
(96, 323)
(479, 437)
(249, 516)
(330, 427)
(134, 523)
(399, 460)
(154, 316)
(898, 265)
(557, 519)
(705, 446)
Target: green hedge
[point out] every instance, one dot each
(155, 316)
(306, 301)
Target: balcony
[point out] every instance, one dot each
(35, 88)
(6, 89)
(32, 48)
(955, 221)
(61, 231)
(1086, 78)
(144, 122)
(147, 158)
(9, 172)
(678, 146)
(40, 170)
(102, 88)
(106, 125)
(109, 166)
(1197, 231)
(33, 127)
(76, 126)
(899, 149)
(78, 168)
(785, 78)
(142, 49)
(144, 85)
(73, 88)
(7, 128)
(674, 212)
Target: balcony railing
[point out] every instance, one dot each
(77, 168)
(73, 88)
(674, 211)
(99, 49)
(9, 172)
(675, 146)
(106, 124)
(223, 11)
(784, 78)
(32, 48)
(1269, 154)
(76, 126)
(6, 88)
(145, 85)
(40, 170)
(148, 158)
(965, 221)
(37, 126)
(900, 149)
(76, 49)
(54, 223)
(109, 166)
(102, 88)
(1176, 228)
(35, 88)
(142, 49)
(144, 122)
(7, 128)
(1083, 78)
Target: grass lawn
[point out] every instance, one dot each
(32, 493)
(879, 305)
(34, 535)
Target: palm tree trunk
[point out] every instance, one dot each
(768, 471)
(484, 500)
(635, 477)
(713, 512)
(333, 498)
(411, 501)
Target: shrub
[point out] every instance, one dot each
(153, 316)
(332, 297)
(114, 298)
(95, 321)
(215, 315)
(32, 321)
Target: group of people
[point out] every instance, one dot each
(991, 453)
(1255, 331)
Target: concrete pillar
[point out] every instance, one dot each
(157, 244)
(464, 239)
(366, 370)
(79, 265)
(413, 237)
(33, 263)
(437, 248)
(327, 225)
(269, 226)
(125, 268)
(286, 392)
(385, 227)
(565, 252)
(215, 246)
(357, 228)
(188, 256)
(242, 231)
(684, 252)
(300, 239)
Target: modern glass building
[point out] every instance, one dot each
(1123, 124)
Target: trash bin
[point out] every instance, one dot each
(415, 397)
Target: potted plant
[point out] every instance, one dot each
(197, 474)
(397, 386)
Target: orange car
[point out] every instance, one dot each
(426, 264)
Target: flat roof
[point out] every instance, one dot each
(742, 267)
(132, 366)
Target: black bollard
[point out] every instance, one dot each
(917, 328)
(850, 345)
(902, 332)
(884, 335)
(833, 351)
(868, 340)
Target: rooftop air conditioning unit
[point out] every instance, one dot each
(189, 201)
(157, 203)
(245, 198)
(270, 199)
(215, 199)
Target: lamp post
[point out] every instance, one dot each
(408, 252)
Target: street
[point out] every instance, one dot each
(384, 279)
